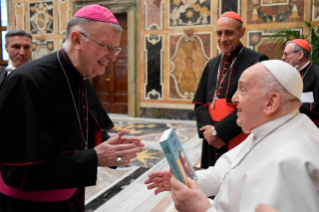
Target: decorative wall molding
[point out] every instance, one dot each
(153, 14)
(153, 85)
(188, 58)
(63, 14)
(19, 15)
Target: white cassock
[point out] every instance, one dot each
(281, 170)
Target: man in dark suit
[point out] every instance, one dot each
(18, 45)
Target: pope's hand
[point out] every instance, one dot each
(188, 199)
(160, 180)
(116, 147)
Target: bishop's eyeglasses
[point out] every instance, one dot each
(289, 53)
(116, 50)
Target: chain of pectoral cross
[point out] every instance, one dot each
(216, 89)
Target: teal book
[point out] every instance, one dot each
(176, 157)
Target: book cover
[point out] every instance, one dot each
(176, 157)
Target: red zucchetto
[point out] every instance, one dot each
(302, 43)
(231, 14)
(96, 12)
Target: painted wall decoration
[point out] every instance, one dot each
(189, 54)
(19, 16)
(224, 6)
(63, 11)
(259, 40)
(41, 18)
(41, 49)
(275, 11)
(153, 14)
(153, 66)
(315, 10)
(189, 13)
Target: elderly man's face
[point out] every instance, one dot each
(250, 102)
(19, 49)
(94, 57)
(228, 34)
(290, 56)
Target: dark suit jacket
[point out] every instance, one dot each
(3, 73)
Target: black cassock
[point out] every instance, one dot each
(42, 145)
(310, 75)
(227, 128)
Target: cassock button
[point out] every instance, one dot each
(86, 119)
(84, 106)
(82, 94)
(86, 130)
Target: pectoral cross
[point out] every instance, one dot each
(214, 99)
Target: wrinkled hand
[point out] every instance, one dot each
(156, 178)
(215, 141)
(265, 208)
(118, 146)
(188, 199)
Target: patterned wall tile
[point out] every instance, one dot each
(19, 15)
(189, 13)
(259, 40)
(273, 11)
(41, 17)
(153, 14)
(189, 54)
(63, 11)
(153, 67)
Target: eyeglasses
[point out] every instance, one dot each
(116, 50)
(289, 53)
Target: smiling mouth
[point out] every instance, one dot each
(103, 63)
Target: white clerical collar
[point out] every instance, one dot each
(300, 69)
(266, 128)
(10, 68)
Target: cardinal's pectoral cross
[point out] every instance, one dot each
(214, 99)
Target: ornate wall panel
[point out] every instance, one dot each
(189, 13)
(40, 49)
(63, 10)
(224, 6)
(153, 67)
(188, 55)
(19, 15)
(153, 14)
(259, 40)
(315, 10)
(275, 11)
(41, 17)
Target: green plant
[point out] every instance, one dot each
(285, 35)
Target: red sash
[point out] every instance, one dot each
(221, 110)
(37, 196)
